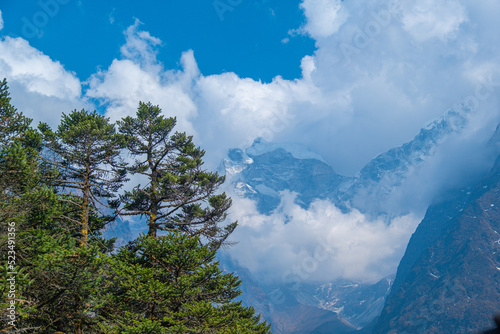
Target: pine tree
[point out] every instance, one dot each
(179, 194)
(86, 152)
(172, 284)
(12, 123)
(54, 276)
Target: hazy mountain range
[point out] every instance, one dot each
(264, 170)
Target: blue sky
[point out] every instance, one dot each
(348, 79)
(245, 38)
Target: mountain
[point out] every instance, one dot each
(396, 162)
(357, 303)
(284, 307)
(379, 180)
(265, 169)
(260, 173)
(449, 278)
(124, 230)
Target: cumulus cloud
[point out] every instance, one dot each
(140, 46)
(140, 77)
(1, 20)
(40, 87)
(324, 17)
(318, 244)
(429, 18)
(40, 74)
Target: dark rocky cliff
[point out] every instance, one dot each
(449, 279)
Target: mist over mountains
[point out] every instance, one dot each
(447, 282)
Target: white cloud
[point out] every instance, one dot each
(427, 19)
(40, 87)
(245, 108)
(1, 20)
(21, 62)
(140, 77)
(324, 17)
(318, 244)
(140, 46)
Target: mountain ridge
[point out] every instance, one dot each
(452, 286)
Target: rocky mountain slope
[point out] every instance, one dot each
(449, 279)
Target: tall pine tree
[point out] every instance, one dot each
(179, 194)
(86, 151)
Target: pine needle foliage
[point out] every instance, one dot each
(179, 194)
(86, 152)
(172, 284)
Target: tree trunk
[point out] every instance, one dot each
(152, 224)
(85, 210)
(154, 185)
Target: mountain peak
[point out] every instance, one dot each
(261, 146)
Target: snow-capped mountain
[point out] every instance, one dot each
(377, 184)
(265, 169)
(397, 162)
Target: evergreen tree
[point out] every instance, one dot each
(172, 284)
(86, 152)
(20, 190)
(12, 123)
(17, 189)
(179, 194)
(54, 276)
